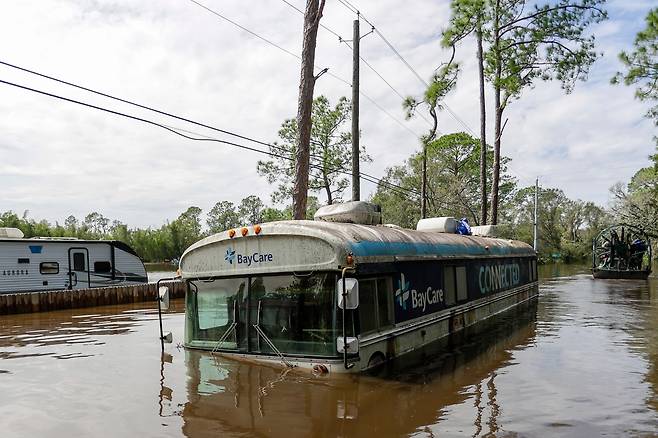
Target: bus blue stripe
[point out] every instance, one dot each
(366, 248)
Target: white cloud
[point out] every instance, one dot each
(60, 159)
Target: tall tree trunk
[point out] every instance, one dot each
(499, 116)
(312, 17)
(496, 163)
(423, 187)
(483, 130)
(327, 187)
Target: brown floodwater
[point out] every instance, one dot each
(581, 362)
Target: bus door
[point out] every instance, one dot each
(78, 273)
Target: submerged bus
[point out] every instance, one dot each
(345, 297)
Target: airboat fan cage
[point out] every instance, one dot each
(619, 250)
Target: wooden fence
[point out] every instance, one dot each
(29, 302)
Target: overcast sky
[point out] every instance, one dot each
(58, 158)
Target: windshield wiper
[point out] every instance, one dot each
(267, 340)
(229, 330)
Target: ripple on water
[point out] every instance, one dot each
(583, 362)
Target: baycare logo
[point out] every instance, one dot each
(240, 259)
(419, 300)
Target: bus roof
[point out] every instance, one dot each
(296, 246)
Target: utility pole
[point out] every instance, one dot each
(483, 127)
(356, 178)
(534, 244)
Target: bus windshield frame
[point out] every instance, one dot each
(296, 312)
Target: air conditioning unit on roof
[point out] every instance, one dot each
(354, 212)
(438, 225)
(11, 233)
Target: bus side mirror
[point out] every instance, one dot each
(163, 296)
(352, 345)
(349, 300)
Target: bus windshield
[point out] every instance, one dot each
(294, 312)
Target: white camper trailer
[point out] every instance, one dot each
(51, 263)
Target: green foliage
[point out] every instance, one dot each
(566, 227)
(185, 230)
(546, 41)
(465, 18)
(399, 207)
(453, 175)
(642, 64)
(331, 153)
(251, 210)
(222, 217)
(525, 41)
(271, 214)
(443, 81)
(637, 203)
(528, 40)
(161, 244)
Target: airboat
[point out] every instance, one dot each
(621, 252)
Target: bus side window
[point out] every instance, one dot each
(449, 285)
(375, 304)
(534, 270)
(385, 302)
(367, 305)
(462, 290)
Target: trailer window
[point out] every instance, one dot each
(48, 268)
(102, 267)
(79, 261)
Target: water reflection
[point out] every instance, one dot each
(409, 396)
(583, 361)
(49, 333)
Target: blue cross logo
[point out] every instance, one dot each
(230, 255)
(402, 293)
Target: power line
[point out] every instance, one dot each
(349, 6)
(262, 38)
(379, 181)
(389, 85)
(321, 25)
(129, 102)
(179, 132)
(299, 58)
(148, 108)
(342, 40)
(353, 9)
(245, 29)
